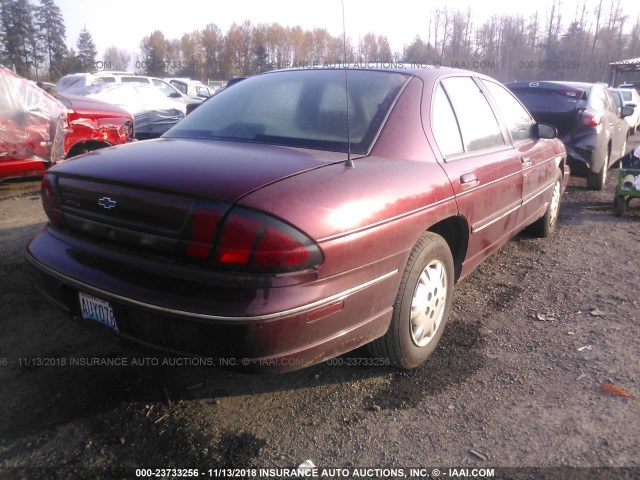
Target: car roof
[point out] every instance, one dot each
(553, 83)
(426, 72)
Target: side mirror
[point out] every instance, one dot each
(626, 111)
(544, 130)
(175, 95)
(632, 105)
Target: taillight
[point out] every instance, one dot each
(127, 129)
(571, 93)
(50, 201)
(248, 241)
(238, 240)
(253, 241)
(590, 120)
(204, 224)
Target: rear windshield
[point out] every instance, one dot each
(302, 108)
(540, 99)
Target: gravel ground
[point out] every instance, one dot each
(516, 382)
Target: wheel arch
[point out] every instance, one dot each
(88, 146)
(455, 231)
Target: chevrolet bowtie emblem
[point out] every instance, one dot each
(106, 202)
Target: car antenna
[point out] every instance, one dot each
(349, 162)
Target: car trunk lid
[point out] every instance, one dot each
(147, 202)
(558, 105)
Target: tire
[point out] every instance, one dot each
(546, 225)
(619, 205)
(422, 305)
(596, 181)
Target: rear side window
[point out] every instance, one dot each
(616, 99)
(164, 87)
(444, 125)
(306, 108)
(180, 86)
(518, 120)
(598, 100)
(478, 123)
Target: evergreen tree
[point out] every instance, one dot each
(20, 49)
(86, 50)
(4, 17)
(52, 34)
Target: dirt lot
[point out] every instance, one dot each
(516, 382)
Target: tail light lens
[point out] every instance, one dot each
(590, 120)
(50, 200)
(127, 129)
(204, 223)
(249, 241)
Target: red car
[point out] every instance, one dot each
(32, 127)
(37, 130)
(94, 124)
(299, 215)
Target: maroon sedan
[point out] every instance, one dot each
(279, 225)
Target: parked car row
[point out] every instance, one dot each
(152, 112)
(155, 103)
(289, 218)
(589, 122)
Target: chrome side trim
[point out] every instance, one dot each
(508, 212)
(538, 193)
(203, 316)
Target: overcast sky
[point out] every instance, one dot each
(124, 23)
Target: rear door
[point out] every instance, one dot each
(537, 158)
(484, 170)
(618, 125)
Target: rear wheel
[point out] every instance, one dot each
(596, 181)
(422, 305)
(546, 225)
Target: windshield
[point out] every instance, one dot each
(298, 108)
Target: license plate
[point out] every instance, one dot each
(93, 308)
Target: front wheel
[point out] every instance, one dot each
(422, 305)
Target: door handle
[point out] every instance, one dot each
(469, 180)
(526, 161)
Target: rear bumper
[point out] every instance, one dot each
(269, 324)
(583, 153)
(22, 168)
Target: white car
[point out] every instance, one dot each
(75, 80)
(631, 98)
(194, 89)
(153, 113)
